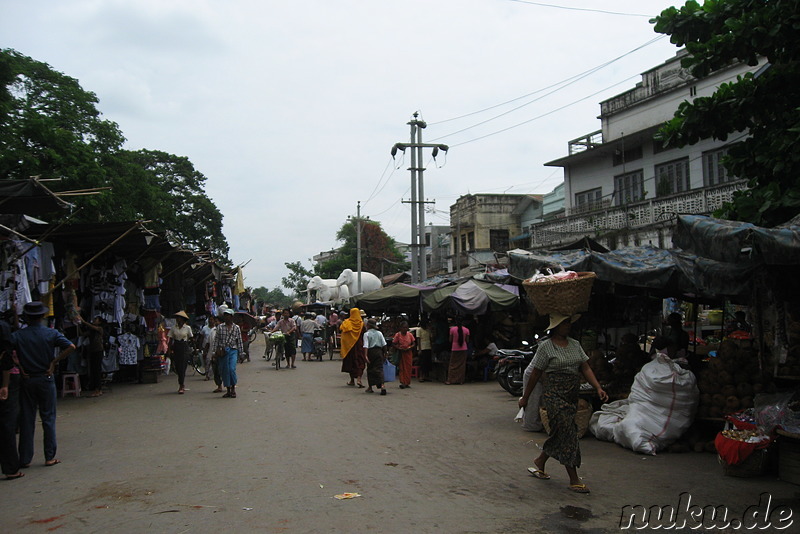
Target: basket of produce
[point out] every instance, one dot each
(566, 292)
(742, 453)
(582, 417)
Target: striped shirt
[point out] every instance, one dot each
(228, 337)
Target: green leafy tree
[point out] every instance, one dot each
(51, 127)
(297, 280)
(765, 106)
(273, 297)
(188, 211)
(379, 254)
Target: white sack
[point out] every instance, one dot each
(531, 420)
(604, 420)
(662, 404)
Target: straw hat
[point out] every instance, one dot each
(181, 314)
(557, 318)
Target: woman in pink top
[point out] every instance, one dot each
(459, 336)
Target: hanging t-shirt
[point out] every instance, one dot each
(128, 349)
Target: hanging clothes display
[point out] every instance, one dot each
(129, 345)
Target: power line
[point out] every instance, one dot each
(544, 114)
(372, 195)
(582, 9)
(558, 86)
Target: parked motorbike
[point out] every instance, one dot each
(511, 365)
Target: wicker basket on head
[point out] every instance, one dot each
(566, 297)
(582, 417)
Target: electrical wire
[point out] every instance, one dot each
(543, 114)
(540, 4)
(559, 85)
(372, 194)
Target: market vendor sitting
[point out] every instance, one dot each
(677, 335)
(485, 356)
(629, 360)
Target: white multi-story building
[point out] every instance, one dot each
(621, 186)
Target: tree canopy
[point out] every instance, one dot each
(297, 280)
(379, 254)
(51, 127)
(273, 297)
(763, 108)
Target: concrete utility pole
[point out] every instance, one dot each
(419, 268)
(357, 222)
(358, 244)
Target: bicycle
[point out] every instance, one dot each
(277, 340)
(197, 361)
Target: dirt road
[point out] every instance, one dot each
(432, 458)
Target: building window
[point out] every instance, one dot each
(628, 188)
(629, 154)
(672, 177)
(589, 200)
(498, 240)
(471, 241)
(713, 171)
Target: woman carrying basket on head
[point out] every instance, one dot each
(564, 361)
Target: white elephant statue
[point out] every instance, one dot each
(349, 279)
(327, 290)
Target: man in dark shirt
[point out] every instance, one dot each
(9, 406)
(35, 347)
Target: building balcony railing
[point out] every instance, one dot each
(588, 207)
(586, 142)
(633, 215)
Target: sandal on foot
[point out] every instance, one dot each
(51, 463)
(579, 488)
(360, 385)
(19, 474)
(538, 473)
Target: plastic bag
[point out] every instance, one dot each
(772, 410)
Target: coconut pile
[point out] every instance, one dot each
(731, 381)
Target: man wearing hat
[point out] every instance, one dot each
(34, 346)
(227, 347)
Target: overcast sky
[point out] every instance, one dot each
(290, 108)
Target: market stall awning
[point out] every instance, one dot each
(672, 272)
(395, 298)
(471, 297)
(735, 241)
(28, 196)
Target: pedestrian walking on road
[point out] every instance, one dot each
(227, 346)
(35, 347)
(212, 362)
(179, 348)
(288, 327)
(354, 359)
(563, 359)
(404, 341)
(307, 328)
(375, 344)
(9, 406)
(459, 340)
